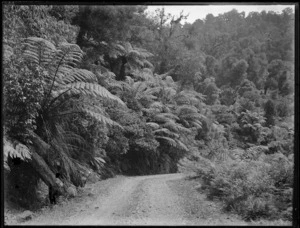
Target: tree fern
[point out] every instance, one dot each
(189, 116)
(136, 57)
(64, 85)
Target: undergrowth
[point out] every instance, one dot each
(255, 189)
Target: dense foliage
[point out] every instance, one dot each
(111, 89)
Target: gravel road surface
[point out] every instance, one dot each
(168, 199)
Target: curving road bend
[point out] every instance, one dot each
(168, 199)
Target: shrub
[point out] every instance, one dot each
(250, 126)
(270, 113)
(206, 170)
(283, 108)
(281, 170)
(253, 189)
(23, 91)
(281, 140)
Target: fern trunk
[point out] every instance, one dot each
(38, 156)
(44, 171)
(40, 145)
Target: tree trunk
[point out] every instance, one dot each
(121, 75)
(40, 145)
(44, 171)
(39, 154)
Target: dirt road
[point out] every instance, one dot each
(167, 199)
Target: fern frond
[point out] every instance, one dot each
(168, 115)
(114, 53)
(194, 101)
(182, 100)
(170, 141)
(160, 119)
(174, 143)
(169, 80)
(99, 159)
(128, 47)
(147, 64)
(120, 48)
(166, 132)
(139, 86)
(156, 104)
(99, 69)
(170, 91)
(66, 75)
(18, 150)
(133, 54)
(181, 145)
(151, 91)
(147, 74)
(191, 116)
(101, 118)
(184, 109)
(183, 129)
(162, 130)
(135, 62)
(109, 75)
(143, 53)
(69, 54)
(92, 89)
(115, 85)
(196, 124)
(126, 87)
(98, 162)
(185, 123)
(189, 97)
(153, 125)
(192, 93)
(7, 52)
(171, 125)
(141, 96)
(129, 80)
(39, 50)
